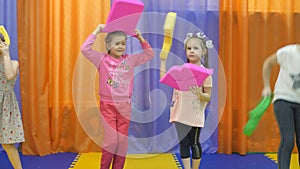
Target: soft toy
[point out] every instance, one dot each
(181, 77)
(168, 31)
(256, 114)
(124, 16)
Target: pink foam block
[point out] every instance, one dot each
(181, 77)
(124, 16)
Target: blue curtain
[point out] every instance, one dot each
(8, 18)
(150, 130)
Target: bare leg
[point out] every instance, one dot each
(13, 155)
(196, 163)
(186, 163)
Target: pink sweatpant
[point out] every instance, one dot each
(115, 122)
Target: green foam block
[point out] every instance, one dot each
(256, 114)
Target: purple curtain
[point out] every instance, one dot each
(150, 130)
(8, 18)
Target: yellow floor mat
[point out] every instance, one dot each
(133, 161)
(294, 160)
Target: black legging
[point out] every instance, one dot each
(189, 139)
(288, 118)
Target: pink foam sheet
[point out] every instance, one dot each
(181, 77)
(124, 16)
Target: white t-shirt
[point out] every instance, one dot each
(287, 86)
(186, 107)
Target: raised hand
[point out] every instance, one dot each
(99, 29)
(139, 36)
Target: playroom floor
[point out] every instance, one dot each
(161, 161)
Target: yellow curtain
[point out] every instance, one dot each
(50, 36)
(251, 30)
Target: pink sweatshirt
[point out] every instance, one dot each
(115, 75)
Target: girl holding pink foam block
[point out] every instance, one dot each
(188, 106)
(116, 71)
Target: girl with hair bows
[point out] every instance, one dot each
(188, 107)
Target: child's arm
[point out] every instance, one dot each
(266, 73)
(163, 68)
(10, 67)
(148, 53)
(86, 48)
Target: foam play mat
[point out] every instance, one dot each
(294, 160)
(133, 161)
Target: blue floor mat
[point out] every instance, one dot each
(209, 161)
(53, 161)
(235, 161)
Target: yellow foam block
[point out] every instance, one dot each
(168, 34)
(170, 24)
(5, 34)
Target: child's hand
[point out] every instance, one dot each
(197, 90)
(99, 29)
(4, 50)
(139, 36)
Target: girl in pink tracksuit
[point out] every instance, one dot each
(116, 75)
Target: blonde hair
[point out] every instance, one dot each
(110, 35)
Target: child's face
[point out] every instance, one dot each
(117, 46)
(194, 50)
